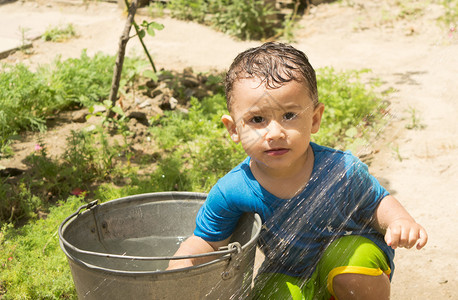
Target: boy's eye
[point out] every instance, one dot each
(257, 119)
(289, 116)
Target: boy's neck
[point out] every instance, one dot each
(288, 182)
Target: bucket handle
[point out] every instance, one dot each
(232, 248)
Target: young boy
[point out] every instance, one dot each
(329, 228)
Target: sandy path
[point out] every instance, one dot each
(415, 57)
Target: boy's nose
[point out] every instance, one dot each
(274, 130)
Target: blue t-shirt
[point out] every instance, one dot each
(339, 199)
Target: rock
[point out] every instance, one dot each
(79, 116)
(99, 109)
(90, 128)
(139, 116)
(151, 84)
(145, 103)
(156, 93)
(190, 82)
(168, 103)
(201, 93)
(188, 71)
(173, 102)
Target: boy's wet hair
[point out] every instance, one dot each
(274, 64)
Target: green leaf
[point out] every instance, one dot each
(107, 103)
(150, 74)
(150, 31)
(118, 110)
(141, 33)
(156, 26)
(151, 27)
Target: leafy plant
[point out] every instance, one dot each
(193, 10)
(352, 108)
(415, 122)
(199, 138)
(59, 33)
(243, 19)
(25, 43)
(27, 98)
(247, 20)
(156, 9)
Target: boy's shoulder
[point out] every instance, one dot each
(237, 176)
(326, 152)
(326, 157)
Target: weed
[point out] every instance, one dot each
(247, 20)
(243, 19)
(415, 122)
(188, 10)
(289, 25)
(397, 153)
(59, 33)
(156, 9)
(25, 43)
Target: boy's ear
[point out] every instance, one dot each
(231, 127)
(316, 119)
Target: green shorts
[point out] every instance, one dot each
(348, 254)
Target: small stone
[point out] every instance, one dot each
(190, 82)
(90, 128)
(99, 109)
(79, 116)
(168, 103)
(173, 103)
(145, 103)
(188, 71)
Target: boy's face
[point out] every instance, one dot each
(273, 125)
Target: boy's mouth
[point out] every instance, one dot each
(276, 151)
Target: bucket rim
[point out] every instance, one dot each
(226, 254)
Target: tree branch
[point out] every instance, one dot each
(121, 53)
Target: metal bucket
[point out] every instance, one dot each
(121, 248)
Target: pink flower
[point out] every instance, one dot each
(38, 147)
(77, 192)
(451, 31)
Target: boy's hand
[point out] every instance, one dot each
(405, 233)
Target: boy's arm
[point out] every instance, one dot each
(399, 228)
(195, 245)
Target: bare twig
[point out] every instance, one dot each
(121, 53)
(144, 47)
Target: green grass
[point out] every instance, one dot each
(32, 265)
(59, 33)
(28, 97)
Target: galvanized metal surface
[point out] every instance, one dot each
(152, 226)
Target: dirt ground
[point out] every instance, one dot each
(409, 53)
